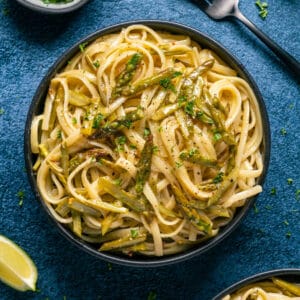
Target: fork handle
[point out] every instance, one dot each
(289, 60)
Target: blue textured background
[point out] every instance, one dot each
(268, 238)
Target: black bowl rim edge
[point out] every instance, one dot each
(52, 11)
(255, 278)
(230, 59)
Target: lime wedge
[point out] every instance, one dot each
(16, 267)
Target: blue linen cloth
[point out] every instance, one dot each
(269, 236)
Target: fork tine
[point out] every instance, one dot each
(203, 4)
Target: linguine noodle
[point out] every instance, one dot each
(273, 289)
(147, 143)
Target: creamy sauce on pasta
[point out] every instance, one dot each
(147, 143)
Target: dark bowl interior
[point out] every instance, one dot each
(49, 10)
(291, 275)
(37, 107)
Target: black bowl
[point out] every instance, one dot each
(37, 107)
(291, 275)
(54, 8)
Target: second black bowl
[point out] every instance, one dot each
(290, 275)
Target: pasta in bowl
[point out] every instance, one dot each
(273, 285)
(146, 143)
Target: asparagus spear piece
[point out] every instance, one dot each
(141, 85)
(137, 204)
(195, 157)
(144, 165)
(292, 288)
(110, 129)
(126, 76)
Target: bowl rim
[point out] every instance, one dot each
(258, 277)
(203, 40)
(52, 11)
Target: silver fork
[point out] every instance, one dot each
(220, 9)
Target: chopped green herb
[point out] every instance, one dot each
(283, 131)
(167, 84)
(178, 164)
(152, 296)
(5, 11)
(120, 141)
(218, 178)
(291, 106)
(217, 136)
(189, 108)
(109, 266)
(59, 134)
(263, 8)
(285, 222)
(1, 111)
(289, 181)
(134, 233)
(96, 63)
(192, 152)
(160, 129)
(181, 99)
(146, 132)
(20, 195)
(82, 46)
(155, 149)
(97, 121)
(74, 121)
(298, 194)
(131, 146)
(268, 207)
(273, 191)
(118, 181)
(288, 234)
(256, 210)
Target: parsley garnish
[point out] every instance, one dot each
(189, 108)
(1, 111)
(263, 8)
(146, 132)
(217, 136)
(97, 120)
(256, 210)
(5, 11)
(218, 178)
(131, 146)
(167, 84)
(109, 266)
(298, 194)
(178, 164)
(118, 181)
(268, 207)
(96, 63)
(181, 99)
(59, 134)
(20, 195)
(82, 46)
(74, 121)
(273, 191)
(160, 129)
(155, 149)
(289, 181)
(285, 222)
(288, 234)
(283, 131)
(152, 296)
(120, 141)
(134, 233)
